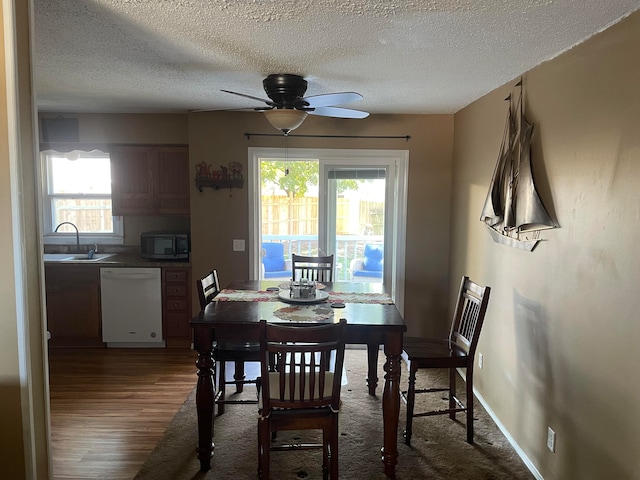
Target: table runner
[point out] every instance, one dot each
(230, 295)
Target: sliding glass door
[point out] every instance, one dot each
(355, 220)
(288, 206)
(350, 203)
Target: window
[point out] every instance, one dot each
(77, 189)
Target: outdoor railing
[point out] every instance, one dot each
(348, 247)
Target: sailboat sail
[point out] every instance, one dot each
(513, 207)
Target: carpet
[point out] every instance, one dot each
(438, 448)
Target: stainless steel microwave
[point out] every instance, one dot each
(165, 245)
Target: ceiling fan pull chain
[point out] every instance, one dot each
(286, 154)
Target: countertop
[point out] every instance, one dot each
(124, 260)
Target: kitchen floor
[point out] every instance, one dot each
(109, 407)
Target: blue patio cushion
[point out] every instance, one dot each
(373, 258)
(367, 273)
(273, 258)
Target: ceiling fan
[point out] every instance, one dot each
(287, 106)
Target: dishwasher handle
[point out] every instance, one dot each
(110, 275)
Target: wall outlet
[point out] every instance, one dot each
(551, 440)
(238, 245)
(480, 360)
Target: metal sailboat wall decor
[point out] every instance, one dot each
(513, 211)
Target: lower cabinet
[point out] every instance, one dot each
(74, 317)
(176, 312)
(73, 305)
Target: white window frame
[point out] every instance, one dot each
(50, 237)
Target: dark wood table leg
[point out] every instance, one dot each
(391, 402)
(372, 372)
(238, 376)
(205, 394)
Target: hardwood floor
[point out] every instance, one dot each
(109, 407)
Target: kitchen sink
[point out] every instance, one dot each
(70, 257)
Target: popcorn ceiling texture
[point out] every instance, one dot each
(421, 56)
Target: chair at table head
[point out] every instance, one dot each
(223, 351)
(301, 390)
(319, 269)
(457, 351)
(273, 261)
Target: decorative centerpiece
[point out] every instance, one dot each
(303, 288)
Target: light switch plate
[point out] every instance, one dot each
(238, 245)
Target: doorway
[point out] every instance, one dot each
(329, 201)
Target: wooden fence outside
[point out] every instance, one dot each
(87, 215)
(299, 216)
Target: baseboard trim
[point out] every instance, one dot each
(527, 461)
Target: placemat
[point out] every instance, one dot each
(305, 313)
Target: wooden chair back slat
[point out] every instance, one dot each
(469, 315)
(317, 269)
(208, 288)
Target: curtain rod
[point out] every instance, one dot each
(249, 135)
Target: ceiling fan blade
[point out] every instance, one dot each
(268, 102)
(339, 112)
(330, 99)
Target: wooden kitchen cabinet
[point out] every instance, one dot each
(150, 180)
(73, 305)
(176, 303)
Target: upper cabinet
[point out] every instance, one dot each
(150, 180)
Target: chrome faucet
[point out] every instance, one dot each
(77, 233)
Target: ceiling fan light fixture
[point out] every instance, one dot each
(285, 119)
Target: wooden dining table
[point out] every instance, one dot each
(372, 320)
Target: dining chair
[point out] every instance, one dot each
(228, 351)
(456, 351)
(208, 288)
(318, 269)
(301, 390)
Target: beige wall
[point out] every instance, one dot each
(23, 401)
(129, 128)
(11, 452)
(217, 217)
(560, 342)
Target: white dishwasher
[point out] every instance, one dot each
(131, 306)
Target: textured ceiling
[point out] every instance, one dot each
(403, 56)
